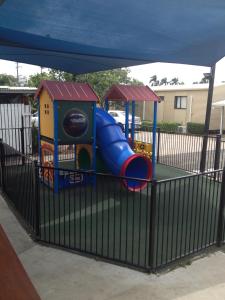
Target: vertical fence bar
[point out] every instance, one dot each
(217, 153)
(152, 224)
(22, 141)
(36, 201)
(220, 230)
(158, 145)
(2, 165)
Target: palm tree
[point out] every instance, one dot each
(205, 79)
(163, 81)
(153, 80)
(174, 81)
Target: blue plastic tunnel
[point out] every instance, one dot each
(117, 154)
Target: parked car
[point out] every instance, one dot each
(119, 117)
(34, 119)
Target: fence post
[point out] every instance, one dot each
(36, 201)
(22, 141)
(152, 224)
(217, 153)
(204, 152)
(2, 165)
(220, 231)
(158, 145)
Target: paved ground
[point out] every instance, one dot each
(60, 275)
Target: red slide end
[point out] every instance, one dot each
(136, 166)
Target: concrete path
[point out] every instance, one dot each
(61, 275)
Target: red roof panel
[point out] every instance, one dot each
(59, 90)
(131, 92)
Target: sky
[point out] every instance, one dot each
(186, 73)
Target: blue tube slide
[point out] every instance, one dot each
(117, 154)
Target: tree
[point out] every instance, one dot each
(154, 81)
(163, 81)
(100, 81)
(205, 79)
(174, 81)
(9, 80)
(34, 80)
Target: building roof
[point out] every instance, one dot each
(182, 87)
(4, 89)
(73, 91)
(131, 92)
(220, 103)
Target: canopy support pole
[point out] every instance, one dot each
(207, 118)
(221, 120)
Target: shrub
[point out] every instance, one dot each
(195, 128)
(164, 126)
(146, 124)
(168, 126)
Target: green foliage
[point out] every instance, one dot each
(34, 80)
(146, 124)
(168, 126)
(164, 126)
(100, 81)
(154, 81)
(9, 80)
(195, 128)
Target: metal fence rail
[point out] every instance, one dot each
(150, 229)
(18, 182)
(167, 221)
(99, 218)
(186, 216)
(184, 151)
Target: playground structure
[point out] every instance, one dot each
(130, 94)
(64, 120)
(68, 116)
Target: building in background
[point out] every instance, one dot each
(183, 104)
(15, 117)
(16, 94)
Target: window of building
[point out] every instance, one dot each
(161, 98)
(180, 102)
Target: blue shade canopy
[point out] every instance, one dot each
(82, 36)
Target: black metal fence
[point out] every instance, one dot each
(99, 217)
(18, 181)
(168, 220)
(184, 151)
(186, 216)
